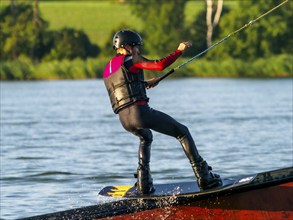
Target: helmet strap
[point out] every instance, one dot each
(127, 49)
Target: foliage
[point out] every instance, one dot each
(162, 23)
(25, 34)
(269, 35)
(69, 44)
(21, 32)
(25, 69)
(250, 53)
(198, 31)
(277, 66)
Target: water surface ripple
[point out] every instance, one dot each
(61, 143)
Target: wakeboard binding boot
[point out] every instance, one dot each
(144, 183)
(205, 178)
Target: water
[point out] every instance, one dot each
(61, 143)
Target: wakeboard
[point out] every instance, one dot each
(174, 189)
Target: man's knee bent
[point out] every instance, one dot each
(146, 137)
(183, 131)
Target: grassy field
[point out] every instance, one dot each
(98, 19)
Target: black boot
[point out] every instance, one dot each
(144, 180)
(205, 178)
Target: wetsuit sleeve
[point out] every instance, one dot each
(140, 62)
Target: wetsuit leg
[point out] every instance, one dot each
(163, 123)
(146, 139)
(144, 177)
(138, 118)
(130, 119)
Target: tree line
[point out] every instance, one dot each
(23, 31)
(164, 27)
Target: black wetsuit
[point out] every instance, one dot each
(141, 119)
(136, 116)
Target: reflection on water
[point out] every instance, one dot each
(61, 143)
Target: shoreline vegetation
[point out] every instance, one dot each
(278, 66)
(97, 23)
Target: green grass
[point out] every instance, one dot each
(96, 18)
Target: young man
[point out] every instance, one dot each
(124, 80)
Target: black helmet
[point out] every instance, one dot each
(126, 37)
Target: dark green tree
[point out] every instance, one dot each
(270, 35)
(198, 32)
(23, 32)
(163, 24)
(19, 34)
(69, 44)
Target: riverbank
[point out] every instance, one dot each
(24, 69)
